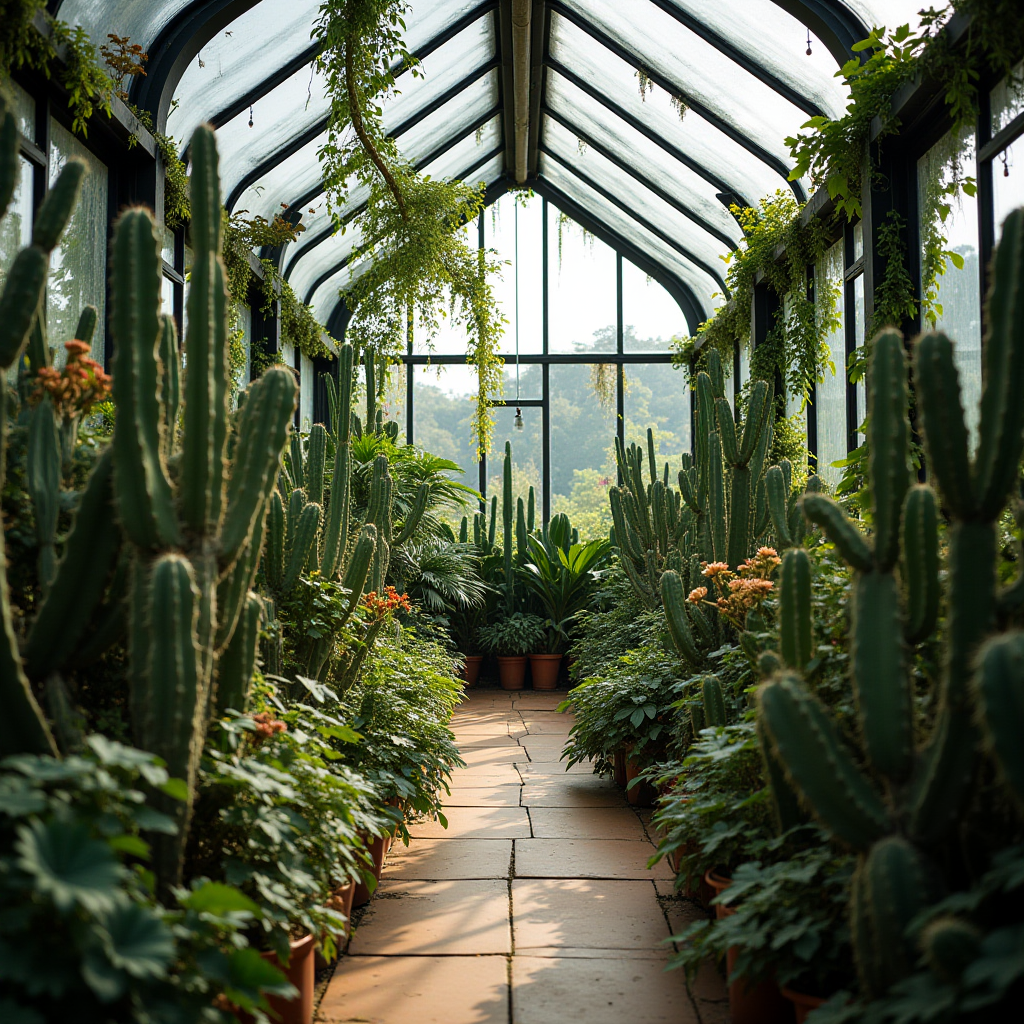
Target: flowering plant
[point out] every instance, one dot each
(74, 390)
(741, 591)
(380, 606)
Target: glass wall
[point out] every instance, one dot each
(830, 393)
(78, 266)
(949, 226)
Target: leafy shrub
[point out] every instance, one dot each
(513, 635)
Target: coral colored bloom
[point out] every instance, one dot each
(714, 569)
(697, 595)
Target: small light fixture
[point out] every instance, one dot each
(250, 115)
(808, 42)
(519, 419)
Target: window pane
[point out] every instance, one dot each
(443, 407)
(651, 318)
(582, 446)
(527, 458)
(16, 230)
(244, 370)
(658, 396)
(78, 266)
(395, 399)
(957, 293)
(305, 392)
(1007, 182)
(859, 326)
(830, 394)
(24, 111)
(582, 285)
(1007, 99)
(858, 240)
(522, 273)
(140, 21)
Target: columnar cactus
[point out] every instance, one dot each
(898, 824)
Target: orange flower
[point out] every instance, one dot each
(75, 390)
(697, 595)
(714, 569)
(387, 604)
(767, 553)
(266, 726)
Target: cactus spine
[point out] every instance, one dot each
(925, 790)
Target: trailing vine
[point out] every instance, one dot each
(796, 347)
(413, 257)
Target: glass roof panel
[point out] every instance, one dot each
(702, 72)
(442, 69)
(295, 106)
(429, 18)
(234, 61)
(779, 45)
(890, 13)
(646, 157)
(141, 21)
(295, 176)
(725, 160)
(591, 166)
(703, 287)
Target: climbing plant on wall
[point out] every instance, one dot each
(414, 258)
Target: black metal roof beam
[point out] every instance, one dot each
(676, 287)
(321, 126)
(675, 89)
(833, 23)
(737, 56)
(642, 179)
(649, 133)
(642, 221)
(506, 81)
(541, 29)
(174, 48)
(327, 233)
(548, 359)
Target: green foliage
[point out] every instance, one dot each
(789, 921)
(418, 262)
(81, 937)
(513, 635)
(796, 347)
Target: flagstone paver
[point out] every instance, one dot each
(534, 906)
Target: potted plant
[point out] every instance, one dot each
(511, 638)
(561, 577)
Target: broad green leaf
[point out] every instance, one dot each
(139, 942)
(69, 866)
(131, 845)
(217, 898)
(176, 789)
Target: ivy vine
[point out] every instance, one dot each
(796, 347)
(414, 262)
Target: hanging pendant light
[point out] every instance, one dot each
(518, 424)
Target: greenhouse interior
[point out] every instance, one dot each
(512, 511)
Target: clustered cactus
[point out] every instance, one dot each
(899, 808)
(169, 527)
(719, 514)
(311, 527)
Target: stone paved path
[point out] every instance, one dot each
(535, 905)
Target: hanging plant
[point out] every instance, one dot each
(415, 256)
(797, 346)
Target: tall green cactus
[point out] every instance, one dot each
(901, 817)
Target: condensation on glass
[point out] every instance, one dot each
(956, 306)
(830, 393)
(78, 266)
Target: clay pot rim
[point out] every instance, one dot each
(802, 998)
(716, 881)
(473, 657)
(545, 657)
(511, 657)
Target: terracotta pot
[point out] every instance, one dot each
(471, 670)
(619, 767)
(341, 901)
(544, 669)
(762, 1003)
(802, 1002)
(300, 973)
(642, 795)
(718, 883)
(512, 672)
(378, 847)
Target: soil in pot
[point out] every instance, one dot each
(512, 672)
(643, 794)
(471, 670)
(544, 669)
(802, 1003)
(301, 974)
